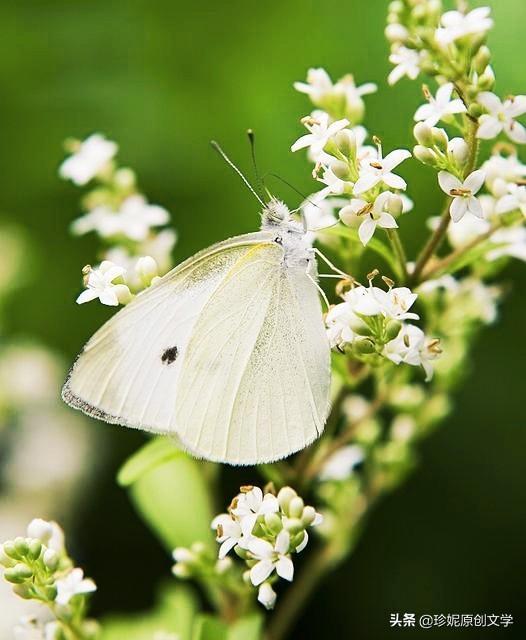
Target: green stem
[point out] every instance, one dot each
(398, 248)
(438, 235)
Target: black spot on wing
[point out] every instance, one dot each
(169, 355)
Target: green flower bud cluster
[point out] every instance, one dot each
(39, 569)
(435, 149)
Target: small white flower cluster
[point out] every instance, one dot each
(359, 181)
(39, 568)
(137, 249)
(371, 323)
(424, 38)
(265, 530)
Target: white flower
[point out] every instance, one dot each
(319, 214)
(73, 584)
(322, 92)
(50, 533)
(102, 219)
(90, 158)
(338, 321)
(463, 193)
(137, 217)
(407, 63)
(374, 215)
(440, 106)
(380, 171)
(335, 186)
(412, 347)
(271, 558)
(456, 25)
(100, 284)
(466, 230)
(446, 282)
(512, 241)
(515, 200)
(340, 464)
(501, 117)
(251, 504)
(230, 532)
(320, 133)
(503, 169)
(267, 595)
(318, 85)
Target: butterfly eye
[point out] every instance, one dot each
(278, 240)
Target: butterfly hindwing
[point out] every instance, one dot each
(255, 381)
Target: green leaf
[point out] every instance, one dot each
(248, 628)
(209, 628)
(174, 614)
(374, 244)
(169, 490)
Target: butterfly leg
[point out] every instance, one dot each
(332, 266)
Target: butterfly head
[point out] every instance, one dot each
(277, 216)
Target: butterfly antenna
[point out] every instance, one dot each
(291, 186)
(259, 181)
(216, 146)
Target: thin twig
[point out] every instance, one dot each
(398, 248)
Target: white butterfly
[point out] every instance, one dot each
(227, 351)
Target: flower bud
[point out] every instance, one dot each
(51, 559)
(392, 329)
(267, 595)
(294, 525)
(23, 591)
(425, 155)
(396, 32)
(18, 574)
(346, 142)
(181, 570)
(146, 269)
(340, 170)
(458, 151)
(40, 529)
(364, 347)
(184, 555)
(5, 560)
(21, 546)
(481, 59)
(273, 522)
(359, 327)
(296, 507)
(348, 216)
(123, 293)
(35, 549)
(486, 81)
(308, 516)
(9, 549)
(285, 495)
(395, 204)
(124, 178)
(423, 134)
(223, 565)
(440, 138)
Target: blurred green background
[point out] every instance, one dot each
(163, 78)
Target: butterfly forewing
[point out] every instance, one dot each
(128, 371)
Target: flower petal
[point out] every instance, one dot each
(394, 158)
(448, 181)
(394, 181)
(285, 568)
(282, 541)
(516, 132)
(386, 221)
(489, 127)
(475, 180)
(458, 209)
(489, 101)
(366, 230)
(87, 296)
(303, 142)
(261, 571)
(475, 207)
(366, 181)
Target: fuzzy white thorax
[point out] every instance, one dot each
(290, 234)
